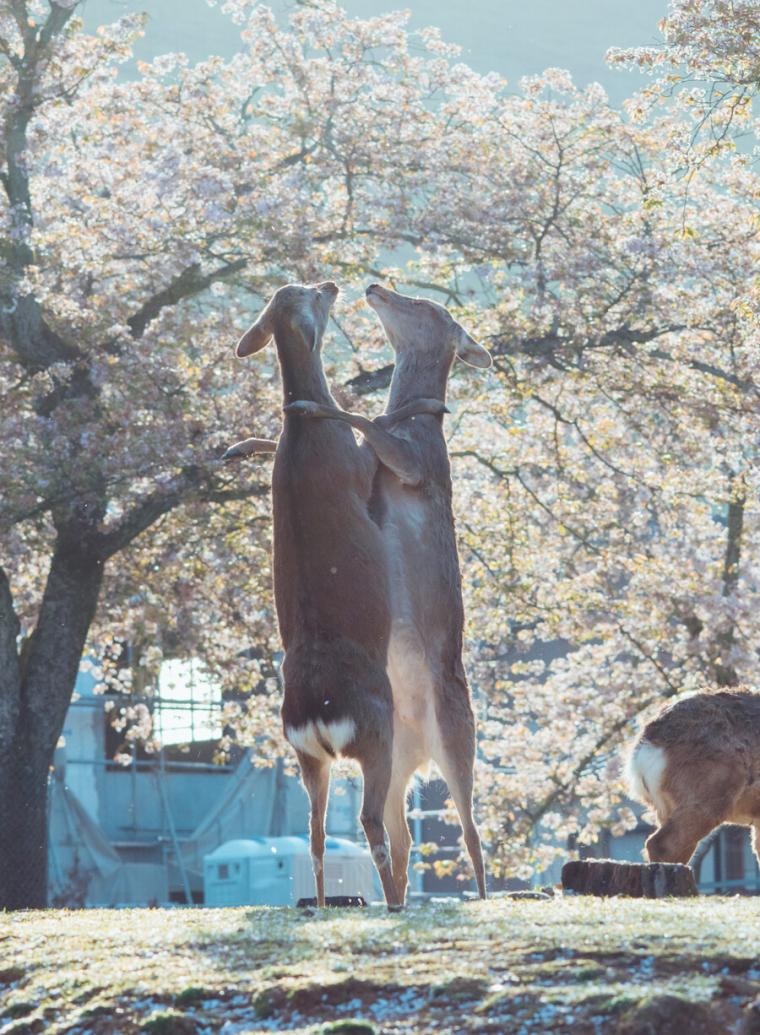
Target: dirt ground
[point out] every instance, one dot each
(508, 966)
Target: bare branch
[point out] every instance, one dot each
(369, 381)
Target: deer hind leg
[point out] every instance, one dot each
(407, 756)
(315, 773)
(703, 800)
(676, 840)
(456, 760)
(398, 836)
(376, 770)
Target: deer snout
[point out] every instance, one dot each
(377, 293)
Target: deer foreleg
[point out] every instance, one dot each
(249, 446)
(398, 455)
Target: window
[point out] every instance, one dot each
(734, 839)
(188, 706)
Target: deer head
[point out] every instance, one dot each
(425, 328)
(296, 313)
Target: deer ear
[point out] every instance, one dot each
(258, 334)
(468, 350)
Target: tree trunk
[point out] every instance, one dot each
(725, 673)
(34, 712)
(23, 823)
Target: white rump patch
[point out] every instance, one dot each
(312, 737)
(645, 770)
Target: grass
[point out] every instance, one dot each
(525, 966)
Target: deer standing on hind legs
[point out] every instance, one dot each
(411, 502)
(330, 582)
(698, 765)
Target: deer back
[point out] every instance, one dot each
(329, 561)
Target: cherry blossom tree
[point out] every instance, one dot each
(607, 480)
(709, 59)
(605, 475)
(611, 551)
(142, 223)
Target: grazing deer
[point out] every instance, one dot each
(330, 582)
(698, 765)
(411, 502)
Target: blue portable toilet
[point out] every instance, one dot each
(277, 871)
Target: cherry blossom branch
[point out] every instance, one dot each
(564, 788)
(60, 13)
(29, 69)
(193, 483)
(745, 384)
(547, 346)
(21, 319)
(604, 741)
(573, 423)
(515, 473)
(189, 282)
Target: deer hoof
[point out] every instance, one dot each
(233, 453)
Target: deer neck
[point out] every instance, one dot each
(418, 375)
(304, 379)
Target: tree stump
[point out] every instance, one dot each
(669, 1015)
(635, 880)
(750, 1023)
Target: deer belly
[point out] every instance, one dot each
(411, 682)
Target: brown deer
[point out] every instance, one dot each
(411, 502)
(330, 582)
(698, 765)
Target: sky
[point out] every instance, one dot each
(512, 37)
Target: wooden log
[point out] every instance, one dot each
(636, 880)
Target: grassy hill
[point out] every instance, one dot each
(510, 966)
